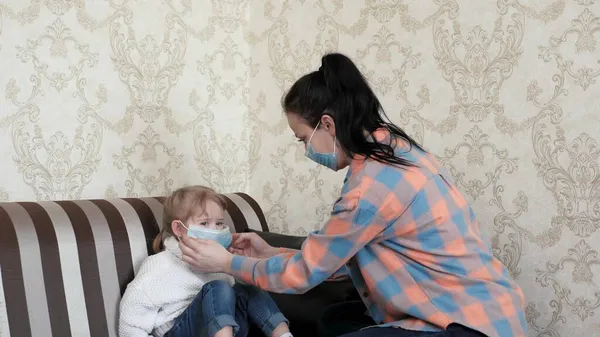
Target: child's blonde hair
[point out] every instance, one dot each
(181, 205)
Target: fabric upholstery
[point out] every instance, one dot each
(64, 265)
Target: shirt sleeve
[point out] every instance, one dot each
(137, 314)
(340, 274)
(284, 250)
(355, 221)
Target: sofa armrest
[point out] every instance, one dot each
(281, 240)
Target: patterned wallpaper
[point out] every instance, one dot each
(107, 98)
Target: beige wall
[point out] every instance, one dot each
(126, 98)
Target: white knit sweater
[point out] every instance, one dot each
(162, 289)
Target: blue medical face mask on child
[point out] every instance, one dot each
(222, 236)
(326, 159)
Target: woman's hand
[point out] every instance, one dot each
(251, 245)
(205, 255)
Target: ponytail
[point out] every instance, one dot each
(338, 75)
(157, 244)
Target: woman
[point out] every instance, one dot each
(405, 233)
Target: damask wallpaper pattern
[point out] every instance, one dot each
(107, 98)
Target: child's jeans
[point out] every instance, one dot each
(219, 305)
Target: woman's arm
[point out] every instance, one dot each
(340, 274)
(284, 250)
(355, 221)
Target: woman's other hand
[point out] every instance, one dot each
(251, 245)
(205, 255)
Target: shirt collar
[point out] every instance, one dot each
(382, 135)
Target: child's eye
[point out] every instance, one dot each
(204, 224)
(220, 224)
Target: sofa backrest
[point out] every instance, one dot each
(64, 265)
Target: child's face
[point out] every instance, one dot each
(213, 217)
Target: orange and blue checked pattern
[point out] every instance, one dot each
(411, 245)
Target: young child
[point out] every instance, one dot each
(168, 298)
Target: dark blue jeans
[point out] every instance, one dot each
(454, 330)
(348, 319)
(219, 305)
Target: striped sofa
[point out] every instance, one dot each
(64, 265)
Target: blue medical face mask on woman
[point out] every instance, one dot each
(326, 159)
(222, 236)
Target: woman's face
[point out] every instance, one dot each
(323, 138)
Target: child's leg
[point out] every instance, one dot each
(211, 313)
(261, 310)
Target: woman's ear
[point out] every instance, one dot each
(177, 228)
(328, 124)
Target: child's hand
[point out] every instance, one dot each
(205, 255)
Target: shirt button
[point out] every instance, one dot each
(365, 294)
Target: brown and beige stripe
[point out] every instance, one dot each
(64, 265)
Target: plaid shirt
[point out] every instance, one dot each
(413, 249)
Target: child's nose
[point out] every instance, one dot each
(212, 226)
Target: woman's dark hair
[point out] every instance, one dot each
(340, 90)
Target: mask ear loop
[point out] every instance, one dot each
(334, 141)
(184, 226)
(313, 133)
